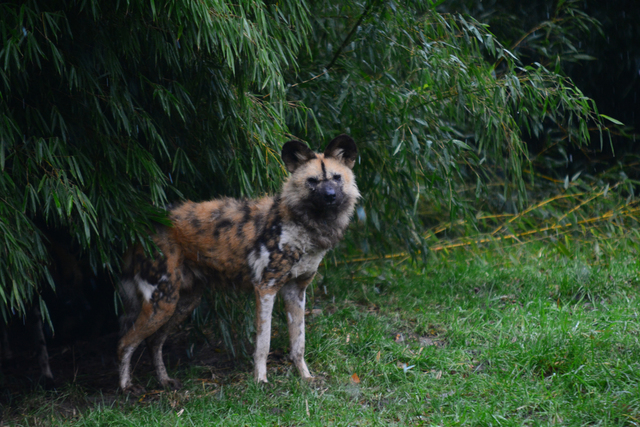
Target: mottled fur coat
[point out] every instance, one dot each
(271, 245)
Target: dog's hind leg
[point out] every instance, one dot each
(294, 298)
(158, 303)
(187, 303)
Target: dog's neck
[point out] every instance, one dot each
(326, 228)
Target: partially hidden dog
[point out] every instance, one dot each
(271, 245)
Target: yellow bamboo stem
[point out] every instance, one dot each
(516, 237)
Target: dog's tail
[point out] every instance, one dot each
(127, 289)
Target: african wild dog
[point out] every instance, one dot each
(270, 245)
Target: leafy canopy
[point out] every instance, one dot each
(110, 110)
(439, 107)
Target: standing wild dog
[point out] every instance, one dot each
(270, 245)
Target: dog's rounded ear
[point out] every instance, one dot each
(342, 148)
(296, 153)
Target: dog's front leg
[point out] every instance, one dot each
(294, 297)
(264, 307)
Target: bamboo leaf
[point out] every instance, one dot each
(612, 120)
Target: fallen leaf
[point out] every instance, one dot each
(378, 357)
(355, 379)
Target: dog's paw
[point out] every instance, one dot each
(134, 390)
(318, 381)
(47, 383)
(262, 380)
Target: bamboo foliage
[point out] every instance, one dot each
(110, 110)
(439, 104)
(588, 214)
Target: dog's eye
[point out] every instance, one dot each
(312, 181)
(337, 178)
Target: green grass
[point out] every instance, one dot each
(531, 338)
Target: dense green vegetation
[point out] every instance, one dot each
(111, 110)
(517, 335)
(490, 276)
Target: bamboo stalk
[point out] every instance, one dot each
(517, 237)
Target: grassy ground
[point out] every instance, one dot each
(513, 337)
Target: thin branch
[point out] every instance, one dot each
(353, 30)
(312, 78)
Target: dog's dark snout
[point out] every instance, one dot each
(329, 195)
